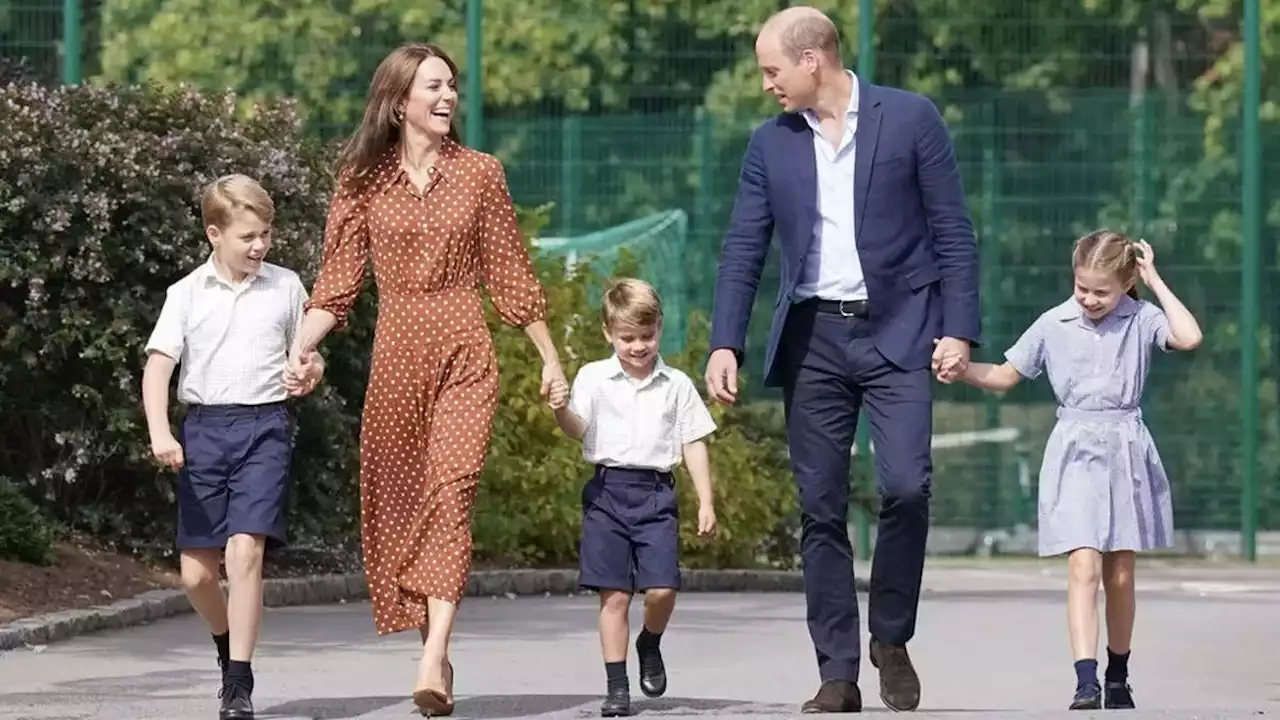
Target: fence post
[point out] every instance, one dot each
(72, 47)
(989, 247)
(570, 174)
(1250, 264)
(475, 88)
(702, 252)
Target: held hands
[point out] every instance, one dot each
(303, 373)
(555, 388)
(950, 359)
(558, 398)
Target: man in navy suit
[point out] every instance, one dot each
(879, 285)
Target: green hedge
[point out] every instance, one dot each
(100, 187)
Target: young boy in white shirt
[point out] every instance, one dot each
(229, 324)
(637, 419)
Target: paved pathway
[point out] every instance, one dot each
(991, 644)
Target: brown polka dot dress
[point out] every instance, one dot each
(433, 384)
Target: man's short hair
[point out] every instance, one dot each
(632, 303)
(229, 194)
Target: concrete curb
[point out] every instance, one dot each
(324, 589)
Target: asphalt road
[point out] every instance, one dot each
(991, 643)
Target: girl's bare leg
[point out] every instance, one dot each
(1117, 580)
(1084, 572)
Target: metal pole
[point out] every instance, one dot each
(866, 73)
(71, 46)
(475, 91)
(1250, 264)
(867, 40)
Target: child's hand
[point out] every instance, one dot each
(1147, 263)
(949, 368)
(167, 451)
(300, 378)
(559, 395)
(706, 521)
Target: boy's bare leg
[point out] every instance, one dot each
(1084, 572)
(615, 631)
(659, 603)
(201, 580)
(615, 627)
(244, 605)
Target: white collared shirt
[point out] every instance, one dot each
(231, 342)
(831, 268)
(637, 423)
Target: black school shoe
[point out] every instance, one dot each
(236, 703)
(1118, 696)
(653, 672)
(1088, 697)
(617, 704)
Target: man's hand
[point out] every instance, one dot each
(950, 359)
(167, 451)
(722, 376)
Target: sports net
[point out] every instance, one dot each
(653, 245)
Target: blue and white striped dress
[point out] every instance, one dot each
(1102, 484)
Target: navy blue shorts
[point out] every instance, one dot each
(630, 531)
(235, 476)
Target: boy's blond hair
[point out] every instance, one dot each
(631, 303)
(229, 194)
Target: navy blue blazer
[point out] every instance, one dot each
(915, 240)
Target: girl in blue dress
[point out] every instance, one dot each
(1103, 493)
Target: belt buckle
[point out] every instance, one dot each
(847, 314)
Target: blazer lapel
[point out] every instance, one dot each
(805, 165)
(867, 137)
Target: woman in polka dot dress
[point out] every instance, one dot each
(437, 220)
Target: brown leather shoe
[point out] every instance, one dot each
(899, 684)
(835, 696)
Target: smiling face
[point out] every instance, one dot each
(792, 81)
(1098, 292)
(432, 99)
(241, 245)
(636, 346)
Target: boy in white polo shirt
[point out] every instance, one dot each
(229, 324)
(637, 419)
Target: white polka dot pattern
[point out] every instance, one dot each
(433, 383)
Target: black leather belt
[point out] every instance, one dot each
(846, 308)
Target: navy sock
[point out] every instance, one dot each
(240, 673)
(616, 673)
(1117, 667)
(648, 640)
(223, 643)
(1086, 673)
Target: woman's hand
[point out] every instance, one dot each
(552, 374)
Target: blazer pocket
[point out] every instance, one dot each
(923, 277)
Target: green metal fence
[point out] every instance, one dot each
(1138, 114)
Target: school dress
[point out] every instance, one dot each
(433, 382)
(1102, 483)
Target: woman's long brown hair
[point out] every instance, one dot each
(379, 130)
